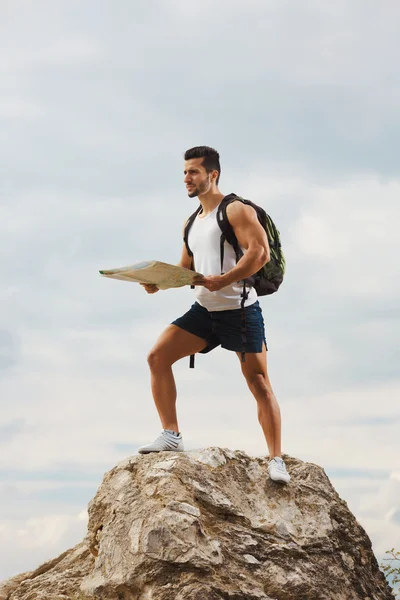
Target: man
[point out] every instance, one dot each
(216, 317)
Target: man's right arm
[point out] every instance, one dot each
(186, 260)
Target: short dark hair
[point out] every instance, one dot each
(210, 158)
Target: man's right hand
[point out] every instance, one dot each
(150, 288)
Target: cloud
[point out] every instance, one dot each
(394, 515)
(90, 338)
(9, 349)
(11, 429)
(121, 107)
(99, 101)
(385, 532)
(33, 541)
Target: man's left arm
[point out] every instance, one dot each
(252, 237)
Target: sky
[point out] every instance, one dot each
(99, 100)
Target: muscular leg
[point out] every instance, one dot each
(255, 371)
(173, 344)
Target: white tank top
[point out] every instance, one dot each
(204, 241)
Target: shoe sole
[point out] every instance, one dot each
(166, 450)
(280, 480)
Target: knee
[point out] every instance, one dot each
(259, 386)
(157, 359)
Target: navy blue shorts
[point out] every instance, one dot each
(224, 327)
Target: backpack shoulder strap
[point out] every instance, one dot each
(188, 225)
(226, 228)
(222, 219)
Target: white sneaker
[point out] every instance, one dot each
(277, 470)
(167, 441)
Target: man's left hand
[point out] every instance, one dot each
(213, 282)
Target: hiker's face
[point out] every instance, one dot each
(197, 180)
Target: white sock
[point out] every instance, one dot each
(176, 434)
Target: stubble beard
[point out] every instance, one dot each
(201, 189)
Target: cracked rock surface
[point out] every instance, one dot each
(211, 525)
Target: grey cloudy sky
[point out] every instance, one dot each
(98, 102)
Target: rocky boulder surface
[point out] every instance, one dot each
(211, 525)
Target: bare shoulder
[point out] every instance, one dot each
(237, 212)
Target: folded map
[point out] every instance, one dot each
(163, 275)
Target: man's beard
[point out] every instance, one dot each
(203, 187)
(193, 193)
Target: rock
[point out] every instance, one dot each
(211, 525)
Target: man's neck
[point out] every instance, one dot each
(210, 201)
